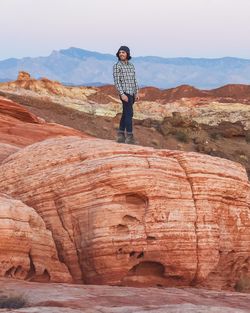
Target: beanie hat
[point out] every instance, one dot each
(126, 49)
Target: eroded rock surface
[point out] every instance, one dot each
(27, 248)
(129, 215)
(67, 298)
(19, 127)
(230, 103)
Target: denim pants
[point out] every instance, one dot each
(127, 114)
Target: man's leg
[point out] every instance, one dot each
(121, 131)
(129, 120)
(128, 109)
(122, 120)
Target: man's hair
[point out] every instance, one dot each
(128, 55)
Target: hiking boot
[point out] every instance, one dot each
(130, 139)
(120, 136)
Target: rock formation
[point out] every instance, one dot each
(228, 103)
(19, 128)
(67, 298)
(6, 150)
(23, 76)
(129, 215)
(107, 213)
(27, 248)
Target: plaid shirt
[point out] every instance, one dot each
(124, 78)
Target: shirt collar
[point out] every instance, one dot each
(123, 62)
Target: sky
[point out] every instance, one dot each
(167, 28)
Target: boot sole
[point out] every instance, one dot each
(120, 140)
(130, 143)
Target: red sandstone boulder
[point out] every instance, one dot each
(27, 248)
(129, 215)
(23, 76)
(6, 150)
(19, 127)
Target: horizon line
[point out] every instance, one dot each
(137, 56)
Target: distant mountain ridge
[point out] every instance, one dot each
(3, 80)
(75, 66)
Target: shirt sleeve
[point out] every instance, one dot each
(116, 75)
(136, 83)
(136, 86)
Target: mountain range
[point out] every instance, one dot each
(75, 66)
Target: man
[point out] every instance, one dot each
(127, 87)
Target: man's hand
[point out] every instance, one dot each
(124, 97)
(137, 98)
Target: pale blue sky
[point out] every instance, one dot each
(170, 28)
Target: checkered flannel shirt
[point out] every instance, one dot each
(124, 78)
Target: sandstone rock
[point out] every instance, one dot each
(147, 122)
(23, 76)
(178, 120)
(247, 136)
(45, 87)
(236, 91)
(6, 150)
(226, 129)
(12, 109)
(129, 215)
(229, 103)
(19, 127)
(221, 214)
(166, 127)
(203, 147)
(27, 249)
(67, 298)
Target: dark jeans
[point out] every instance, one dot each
(127, 114)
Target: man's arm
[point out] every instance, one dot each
(117, 80)
(135, 80)
(136, 86)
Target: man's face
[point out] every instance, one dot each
(123, 55)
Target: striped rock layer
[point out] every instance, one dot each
(129, 215)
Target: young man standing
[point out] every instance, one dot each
(127, 86)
